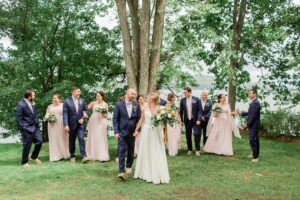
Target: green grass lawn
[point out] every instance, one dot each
(276, 176)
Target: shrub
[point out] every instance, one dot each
(281, 122)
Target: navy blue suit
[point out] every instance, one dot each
(28, 124)
(190, 124)
(125, 126)
(206, 112)
(253, 123)
(71, 118)
(162, 102)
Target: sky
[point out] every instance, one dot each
(110, 21)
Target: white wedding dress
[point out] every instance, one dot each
(152, 165)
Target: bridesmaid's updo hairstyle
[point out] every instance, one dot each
(219, 97)
(102, 94)
(58, 96)
(155, 97)
(171, 96)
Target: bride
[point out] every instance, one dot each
(151, 164)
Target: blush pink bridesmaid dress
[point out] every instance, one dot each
(97, 141)
(219, 132)
(58, 139)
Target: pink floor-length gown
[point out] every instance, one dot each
(97, 142)
(174, 139)
(58, 139)
(219, 131)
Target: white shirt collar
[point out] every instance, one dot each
(251, 101)
(128, 102)
(74, 99)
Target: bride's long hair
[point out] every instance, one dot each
(153, 97)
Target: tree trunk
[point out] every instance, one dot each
(157, 37)
(127, 46)
(141, 61)
(144, 45)
(239, 12)
(134, 15)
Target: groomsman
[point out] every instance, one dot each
(28, 123)
(253, 123)
(206, 106)
(74, 112)
(190, 113)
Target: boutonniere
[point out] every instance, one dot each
(193, 101)
(79, 102)
(135, 108)
(206, 104)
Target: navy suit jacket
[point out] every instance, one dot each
(162, 102)
(196, 109)
(70, 116)
(26, 119)
(253, 121)
(206, 111)
(124, 125)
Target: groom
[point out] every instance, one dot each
(253, 123)
(126, 116)
(74, 112)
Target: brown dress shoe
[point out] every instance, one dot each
(37, 161)
(85, 159)
(128, 171)
(26, 165)
(121, 176)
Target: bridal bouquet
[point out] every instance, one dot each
(164, 116)
(49, 118)
(217, 110)
(174, 107)
(101, 109)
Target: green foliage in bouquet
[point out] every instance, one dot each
(49, 118)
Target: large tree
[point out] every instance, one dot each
(232, 35)
(141, 46)
(56, 45)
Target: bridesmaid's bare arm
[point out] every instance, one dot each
(91, 105)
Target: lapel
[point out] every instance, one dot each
(31, 111)
(206, 103)
(73, 105)
(184, 102)
(193, 104)
(125, 108)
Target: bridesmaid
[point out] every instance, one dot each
(141, 101)
(58, 139)
(174, 133)
(97, 143)
(220, 128)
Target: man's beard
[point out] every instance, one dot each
(31, 100)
